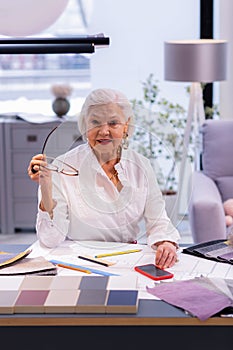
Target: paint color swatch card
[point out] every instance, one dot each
(91, 301)
(7, 301)
(122, 301)
(217, 250)
(61, 301)
(30, 301)
(65, 294)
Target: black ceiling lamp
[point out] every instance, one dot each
(26, 18)
(53, 45)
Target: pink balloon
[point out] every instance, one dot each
(28, 17)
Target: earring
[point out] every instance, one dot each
(119, 151)
(125, 140)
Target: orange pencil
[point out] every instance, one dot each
(73, 268)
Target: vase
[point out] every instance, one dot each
(61, 106)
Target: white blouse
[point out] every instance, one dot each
(89, 206)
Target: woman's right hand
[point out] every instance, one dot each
(34, 167)
(39, 173)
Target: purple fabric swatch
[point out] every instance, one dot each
(192, 297)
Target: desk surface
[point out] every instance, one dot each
(150, 312)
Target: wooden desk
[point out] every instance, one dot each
(156, 321)
(150, 312)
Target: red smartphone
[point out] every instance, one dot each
(153, 272)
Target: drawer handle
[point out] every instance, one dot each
(31, 138)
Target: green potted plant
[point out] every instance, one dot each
(159, 131)
(158, 135)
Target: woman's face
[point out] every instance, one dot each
(105, 127)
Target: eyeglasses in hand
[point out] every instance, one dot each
(55, 164)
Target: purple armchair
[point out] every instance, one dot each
(211, 186)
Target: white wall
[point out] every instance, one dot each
(224, 12)
(137, 31)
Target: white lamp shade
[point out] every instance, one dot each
(202, 60)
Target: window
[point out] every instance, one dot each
(31, 76)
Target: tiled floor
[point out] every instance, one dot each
(30, 237)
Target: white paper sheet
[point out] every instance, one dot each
(187, 267)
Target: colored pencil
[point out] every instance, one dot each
(73, 268)
(94, 260)
(118, 253)
(103, 273)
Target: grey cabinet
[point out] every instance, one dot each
(22, 140)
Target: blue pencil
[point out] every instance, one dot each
(103, 273)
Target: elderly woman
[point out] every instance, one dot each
(116, 187)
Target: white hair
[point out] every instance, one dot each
(103, 97)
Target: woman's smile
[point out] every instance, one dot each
(104, 141)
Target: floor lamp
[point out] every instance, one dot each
(195, 61)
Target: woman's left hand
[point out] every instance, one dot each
(166, 255)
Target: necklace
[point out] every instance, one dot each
(116, 181)
(113, 176)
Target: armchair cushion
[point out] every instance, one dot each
(225, 186)
(217, 146)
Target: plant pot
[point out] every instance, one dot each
(61, 106)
